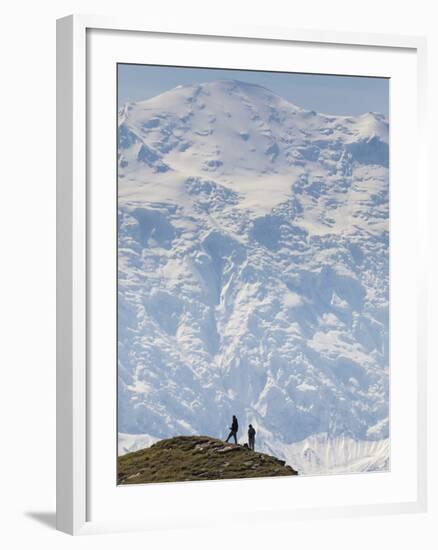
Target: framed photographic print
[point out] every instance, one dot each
(240, 262)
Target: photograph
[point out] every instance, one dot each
(253, 249)
(219, 266)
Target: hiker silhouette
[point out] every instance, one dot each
(251, 437)
(233, 429)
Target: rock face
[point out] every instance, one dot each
(195, 458)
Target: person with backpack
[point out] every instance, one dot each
(251, 437)
(233, 429)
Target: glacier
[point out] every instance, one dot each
(253, 275)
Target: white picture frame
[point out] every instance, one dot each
(75, 215)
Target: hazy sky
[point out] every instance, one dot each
(337, 95)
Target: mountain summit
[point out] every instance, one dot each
(253, 270)
(197, 458)
(233, 129)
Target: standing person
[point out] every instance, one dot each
(251, 437)
(233, 430)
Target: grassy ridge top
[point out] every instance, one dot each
(191, 458)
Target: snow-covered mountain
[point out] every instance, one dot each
(320, 453)
(253, 272)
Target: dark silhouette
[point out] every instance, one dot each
(233, 430)
(251, 437)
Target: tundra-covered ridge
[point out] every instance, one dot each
(253, 274)
(197, 458)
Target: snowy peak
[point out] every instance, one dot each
(225, 96)
(217, 91)
(231, 128)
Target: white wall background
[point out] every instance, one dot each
(27, 273)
